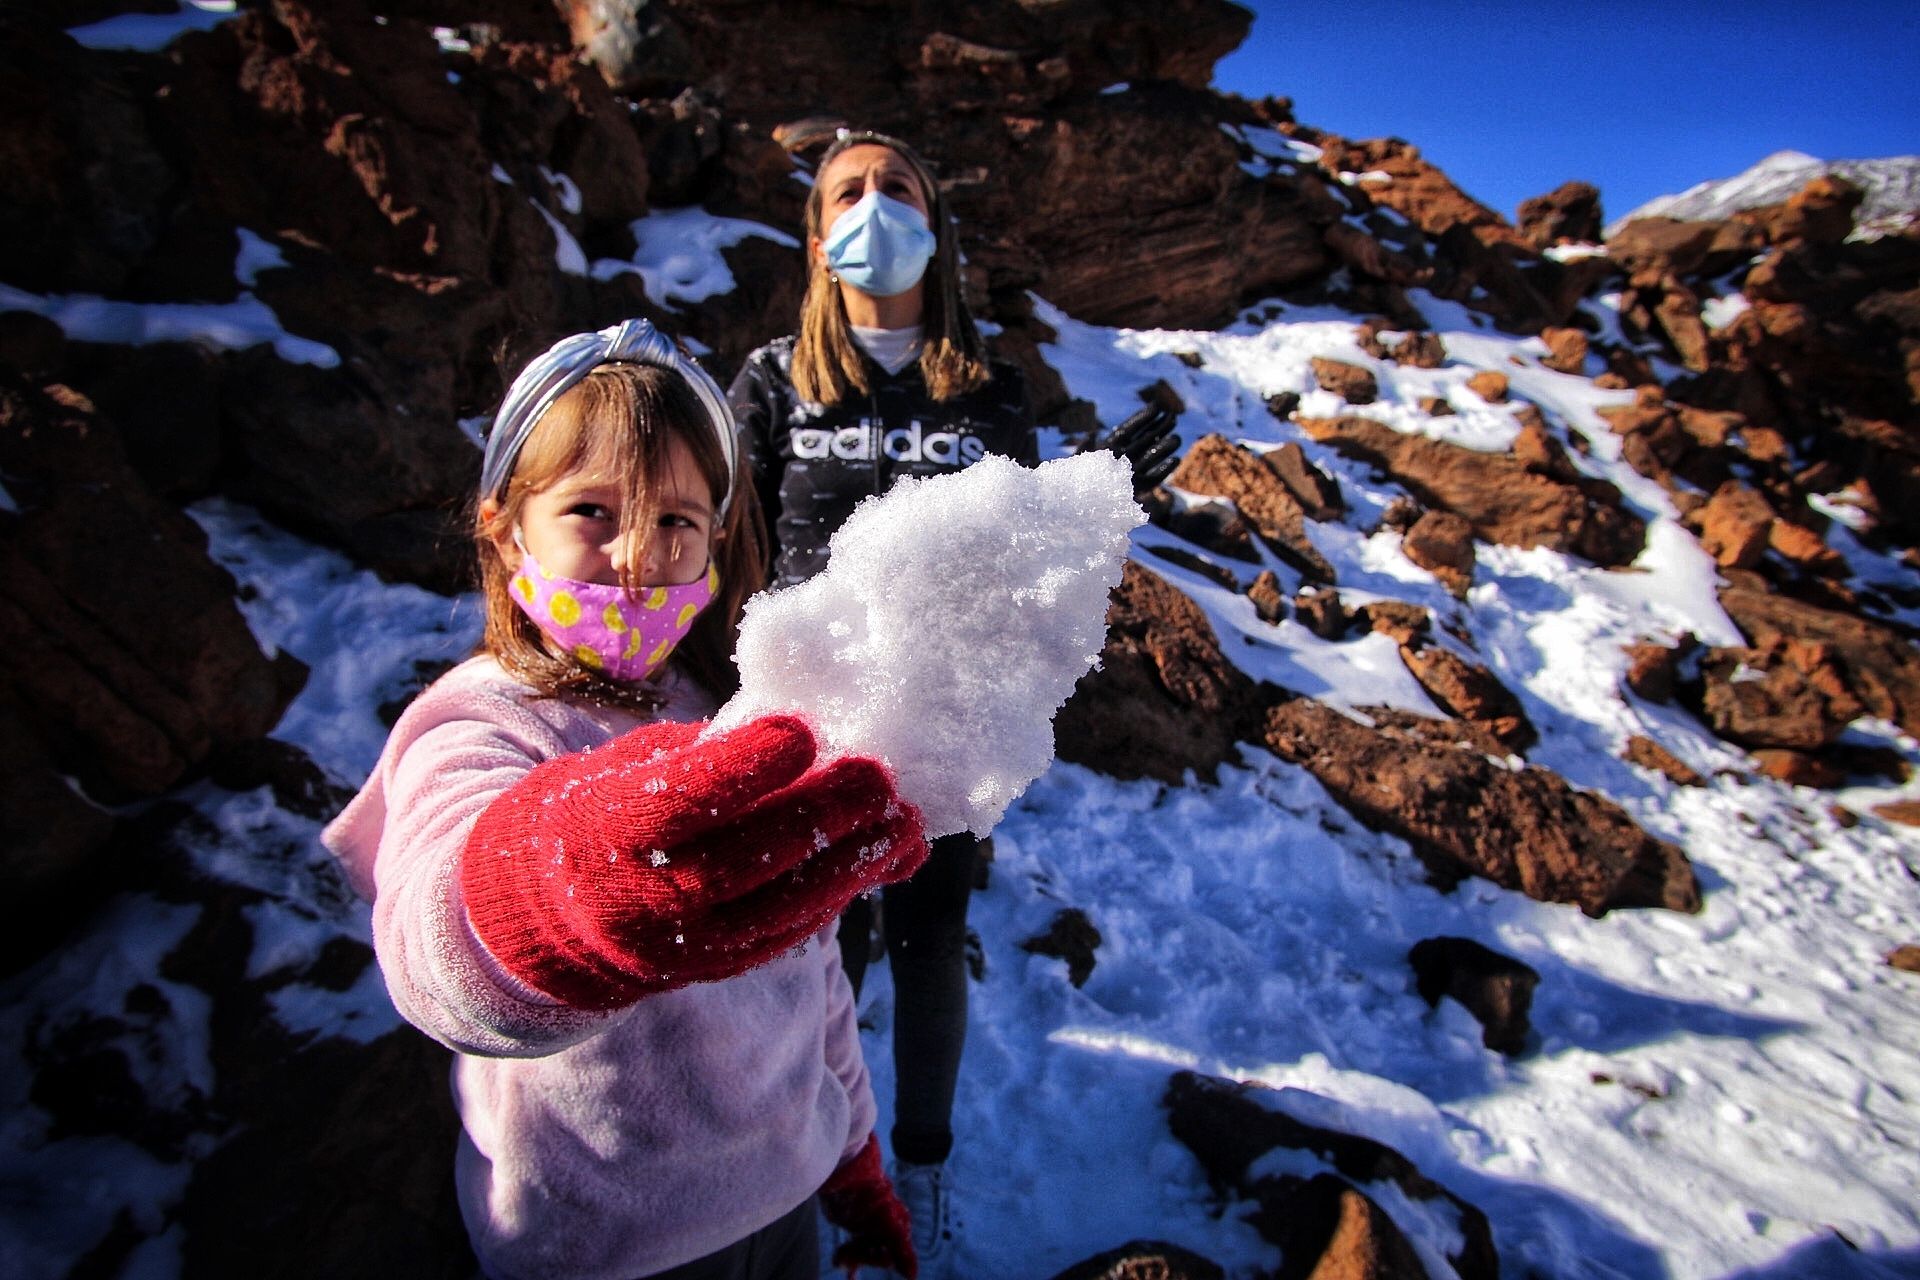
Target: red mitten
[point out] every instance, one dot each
(859, 1199)
(660, 859)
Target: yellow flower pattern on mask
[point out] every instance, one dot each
(603, 628)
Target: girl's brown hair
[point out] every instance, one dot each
(828, 364)
(626, 415)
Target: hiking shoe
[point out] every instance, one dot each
(922, 1188)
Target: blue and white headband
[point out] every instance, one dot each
(562, 366)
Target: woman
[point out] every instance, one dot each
(888, 377)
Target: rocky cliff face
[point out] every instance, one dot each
(418, 196)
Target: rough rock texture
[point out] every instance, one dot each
(1144, 1260)
(1351, 382)
(1468, 690)
(1498, 495)
(1216, 467)
(1229, 1126)
(1496, 989)
(1648, 754)
(1465, 815)
(1442, 543)
(1569, 214)
(1164, 700)
(129, 666)
(1070, 936)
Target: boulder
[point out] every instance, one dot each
(1567, 350)
(1218, 468)
(1464, 814)
(1496, 989)
(1163, 700)
(1070, 937)
(1648, 754)
(1905, 958)
(1230, 1125)
(1848, 659)
(1351, 382)
(1317, 493)
(1144, 1260)
(1734, 526)
(1498, 496)
(1442, 544)
(1467, 690)
(1490, 385)
(1569, 214)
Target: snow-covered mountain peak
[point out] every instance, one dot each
(1892, 185)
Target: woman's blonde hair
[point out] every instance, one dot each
(828, 364)
(627, 415)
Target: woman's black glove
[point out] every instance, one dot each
(1147, 442)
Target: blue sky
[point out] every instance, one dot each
(1640, 99)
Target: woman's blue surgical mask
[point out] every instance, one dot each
(881, 246)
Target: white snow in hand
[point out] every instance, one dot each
(953, 618)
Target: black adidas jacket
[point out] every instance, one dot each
(811, 463)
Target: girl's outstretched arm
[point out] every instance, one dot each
(662, 859)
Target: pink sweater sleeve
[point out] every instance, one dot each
(844, 1058)
(454, 750)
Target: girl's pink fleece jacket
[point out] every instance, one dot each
(595, 1146)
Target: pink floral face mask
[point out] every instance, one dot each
(622, 636)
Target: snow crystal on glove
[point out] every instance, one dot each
(954, 617)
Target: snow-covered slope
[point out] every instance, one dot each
(1892, 186)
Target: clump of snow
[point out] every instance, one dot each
(954, 616)
(677, 254)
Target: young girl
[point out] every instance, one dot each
(624, 931)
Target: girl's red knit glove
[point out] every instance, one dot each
(859, 1200)
(658, 859)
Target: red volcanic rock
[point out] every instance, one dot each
(1569, 214)
(1566, 350)
(1324, 1226)
(1315, 491)
(1798, 768)
(1655, 247)
(1497, 494)
(1805, 549)
(1268, 602)
(1904, 812)
(1649, 754)
(1852, 662)
(1489, 385)
(1442, 544)
(130, 661)
(1467, 690)
(1144, 1260)
(1164, 699)
(1413, 187)
(1734, 526)
(1321, 611)
(1652, 668)
(1219, 468)
(1905, 958)
(1496, 989)
(129, 665)
(1820, 213)
(1464, 815)
(1350, 382)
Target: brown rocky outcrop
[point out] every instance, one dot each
(129, 664)
(1164, 699)
(1324, 1225)
(1496, 989)
(1569, 214)
(1217, 467)
(1351, 382)
(1848, 665)
(1498, 495)
(1442, 543)
(1524, 829)
(1648, 754)
(1467, 690)
(1144, 1260)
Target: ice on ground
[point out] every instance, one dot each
(952, 621)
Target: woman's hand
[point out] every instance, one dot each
(661, 859)
(1146, 440)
